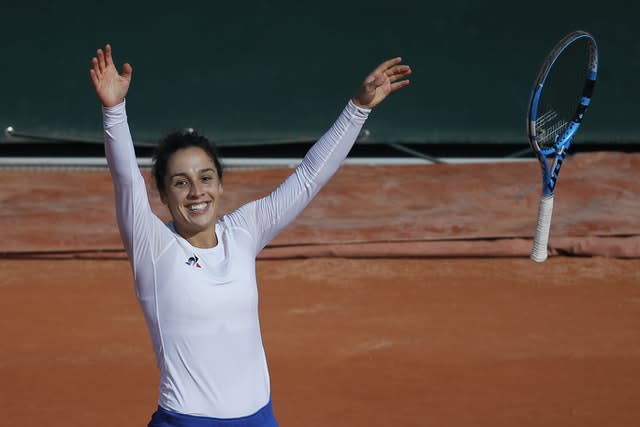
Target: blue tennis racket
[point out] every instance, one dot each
(560, 96)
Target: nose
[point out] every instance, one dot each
(195, 190)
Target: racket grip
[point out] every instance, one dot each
(539, 250)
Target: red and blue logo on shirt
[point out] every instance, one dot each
(193, 261)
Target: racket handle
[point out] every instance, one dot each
(539, 250)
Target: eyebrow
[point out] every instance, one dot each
(186, 176)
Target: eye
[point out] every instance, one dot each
(180, 183)
(207, 178)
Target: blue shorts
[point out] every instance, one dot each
(164, 418)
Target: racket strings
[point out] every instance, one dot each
(549, 128)
(562, 97)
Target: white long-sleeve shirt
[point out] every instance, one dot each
(201, 305)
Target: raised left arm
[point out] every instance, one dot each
(273, 213)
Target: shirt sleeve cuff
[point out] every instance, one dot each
(360, 112)
(112, 116)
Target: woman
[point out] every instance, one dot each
(195, 277)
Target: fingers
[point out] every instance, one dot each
(397, 77)
(399, 85)
(398, 72)
(94, 77)
(107, 55)
(95, 68)
(127, 70)
(389, 69)
(101, 62)
(386, 65)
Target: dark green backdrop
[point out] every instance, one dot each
(261, 70)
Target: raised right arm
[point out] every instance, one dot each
(136, 221)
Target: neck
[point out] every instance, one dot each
(202, 239)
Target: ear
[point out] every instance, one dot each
(220, 188)
(163, 199)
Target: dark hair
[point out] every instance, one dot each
(176, 141)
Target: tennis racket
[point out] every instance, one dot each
(559, 98)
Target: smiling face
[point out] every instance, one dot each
(192, 190)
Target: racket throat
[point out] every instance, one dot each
(550, 183)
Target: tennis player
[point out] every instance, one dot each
(195, 277)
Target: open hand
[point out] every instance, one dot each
(110, 86)
(384, 80)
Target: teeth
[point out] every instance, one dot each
(198, 207)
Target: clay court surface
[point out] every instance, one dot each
(403, 296)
